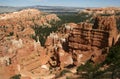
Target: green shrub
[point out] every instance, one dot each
(106, 14)
(113, 56)
(43, 31)
(16, 76)
(64, 72)
(76, 18)
(88, 67)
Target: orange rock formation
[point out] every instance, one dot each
(76, 44)
(87, 41)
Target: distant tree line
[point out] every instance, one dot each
(43, 31)
(76, 18)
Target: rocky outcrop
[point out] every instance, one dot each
(19, 52)
(54, 46)
(107, 24)
(84, 41)
(23, 21)
(87, 42)
(73, 45)
(107, 10)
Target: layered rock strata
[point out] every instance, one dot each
(76, 44)
(86, 42)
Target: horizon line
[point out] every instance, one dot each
(61, 6)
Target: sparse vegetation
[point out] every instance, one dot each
(44, 31)
(117, 13)
(60, 58)
(94, 72)
(76, 18)
(63, 72)
(118, 23)
(106, 14)
(16, 76)
(113, 56)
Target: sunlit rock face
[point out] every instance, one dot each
(87, 41)
(58, 54)
(19, 52)
(84, 41)
(22, 21)
(96, 11)
(76, 44)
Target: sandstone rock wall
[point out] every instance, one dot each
(87, 42)
(107, 24)
(88, 38)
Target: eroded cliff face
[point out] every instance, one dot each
(87, 41)
(74, 45)
(107, 24)
(19, 52)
